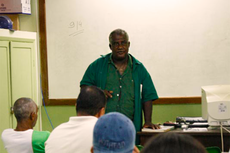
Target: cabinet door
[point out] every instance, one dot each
(22, 71)
(5, 90)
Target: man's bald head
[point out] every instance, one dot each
(23, 107)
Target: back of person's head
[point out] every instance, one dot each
(173, 143)
(23, 107)
(90, 100)
(114, 133)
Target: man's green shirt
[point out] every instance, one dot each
(96, 74)
(123, 89)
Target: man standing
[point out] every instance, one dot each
(77, 134)
(24, 138)
(121, 76)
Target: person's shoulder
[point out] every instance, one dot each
(137, 65)
(101, 60)
(135, 61)
(106, 55)
(60, 128)
(80, 119)
(41, 133)
(7, 131)
(103, 57)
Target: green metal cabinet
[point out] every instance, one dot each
(17, 77)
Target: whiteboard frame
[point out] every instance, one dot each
(44, 71)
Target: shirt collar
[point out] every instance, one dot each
(130, 62)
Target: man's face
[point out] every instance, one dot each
(119, 46)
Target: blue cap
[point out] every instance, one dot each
(114, 133)
(6, 23)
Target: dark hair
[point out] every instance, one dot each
(173, 143)
(118, 32)
(23, 107)
(90, 100)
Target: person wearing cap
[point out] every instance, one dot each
(76, 135)
(173, 143)
(23, 139)
(114, 133)
(125, 81)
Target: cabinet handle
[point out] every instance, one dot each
(11, 110)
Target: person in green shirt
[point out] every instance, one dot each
(125, 81)
(23, 138)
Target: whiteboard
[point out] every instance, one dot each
(184, 44)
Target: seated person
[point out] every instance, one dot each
(77, 134)
(170, 142)
(114, 133)
(24, 139)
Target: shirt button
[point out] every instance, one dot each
(117, 95)
(120, 78)
(120, 86)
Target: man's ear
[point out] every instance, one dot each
(101, 112)
(32, 116)
(110, 46)
(91, 150)
(129, 44)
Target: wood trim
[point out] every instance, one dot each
(43, 51)
(164, 100)
(178, 100)
(63, 102)
(44, 71)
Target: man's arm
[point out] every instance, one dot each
(148, 95)
(147, 108)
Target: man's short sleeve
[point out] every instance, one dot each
(38, 141)
(148, 89)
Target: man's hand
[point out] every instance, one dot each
(151, 125)
(136, 150)
(147, 107)
(108, 94)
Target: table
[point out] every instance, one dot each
(209, 138)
